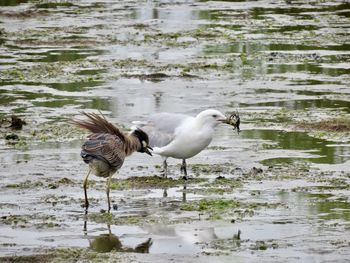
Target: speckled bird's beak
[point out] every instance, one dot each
(147, 151)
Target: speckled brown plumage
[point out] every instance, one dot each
(107, 147)
(104, 147)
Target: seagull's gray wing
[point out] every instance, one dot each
(161, 127)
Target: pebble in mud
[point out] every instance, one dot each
(11, 136)
(255, 171)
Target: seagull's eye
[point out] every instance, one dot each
(214, 116)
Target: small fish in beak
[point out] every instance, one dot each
(234, 121)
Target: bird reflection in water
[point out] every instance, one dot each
(184, 192)
(108, 242)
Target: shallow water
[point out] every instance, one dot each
(274, 62)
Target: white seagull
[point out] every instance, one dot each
(180, 136)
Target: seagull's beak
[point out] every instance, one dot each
(147, 151)
(223, 120)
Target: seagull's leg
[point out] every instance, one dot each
(165, 168)
(184, 168)
(184, 193)
(108, 184)
(85, 189)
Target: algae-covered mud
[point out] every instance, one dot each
(277, 192)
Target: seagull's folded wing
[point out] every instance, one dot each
(161, 127)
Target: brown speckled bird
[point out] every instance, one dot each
(107, 147)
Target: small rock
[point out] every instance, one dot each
(53, 186)
(255, 170)
(115, 207)
(65, 180)
(11, 136)
(17, 123)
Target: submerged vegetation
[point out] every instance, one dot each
(151, 182)
(332, 125)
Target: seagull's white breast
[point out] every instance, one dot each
(189, 140)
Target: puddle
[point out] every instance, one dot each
(59, 55)
(324, 151)
(277, 63)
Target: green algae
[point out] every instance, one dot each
(69, 255)
(230, 183)
(54, 4)
(111, 219)
(329, 125)
(214, 207)
(15, 220)
(150, 182)
(26, 185)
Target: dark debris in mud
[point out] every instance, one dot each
(14, 122)
(151, 77)
(331, 125)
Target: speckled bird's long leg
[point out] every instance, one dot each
(85, 189)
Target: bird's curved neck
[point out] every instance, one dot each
(131, 144)
(202, 124)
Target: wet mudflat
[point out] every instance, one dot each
(277, 192)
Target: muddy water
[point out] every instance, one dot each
(275, 62)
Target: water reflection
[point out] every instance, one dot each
(44, 99)
(183, 194)
(171, 19)
(320, 204)
(325, 151)
(108, 242)
(158, 99)
(60, 55)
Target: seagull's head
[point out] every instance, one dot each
(144, 141)
(211, 117)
